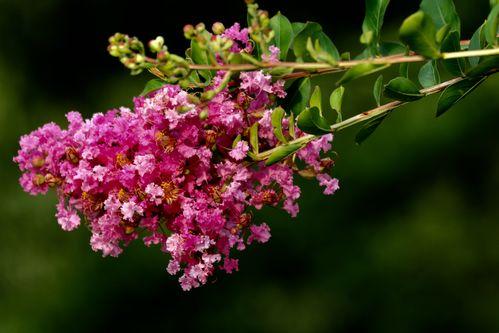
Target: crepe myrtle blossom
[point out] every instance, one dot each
(172, 174)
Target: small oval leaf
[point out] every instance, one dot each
(316, 99)
(477, 42)
(491, 26)
(152, 85)
(402, 89)
(311, 122)
(368, 129)
(254, 138)
(429, 75)
(282, 152)
(276, 120)
(336, 101)
(442, 12)
(298, 96)
(283, 33)
(456, 93)
(378, 90)
(418, 32)
(456, 67)
(361, 70)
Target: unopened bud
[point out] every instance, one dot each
(188, 31)
(203, 115)
(218, 28)
(39, 179)
(208, 95)
(139, 58)
(184, 109)
(200, 27)
(51, 180)
(113, 50)
(157, 44)
(38, 162)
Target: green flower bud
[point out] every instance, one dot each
(157, 44)
(208, 95)
(39, 179)
(203, 115)
(200, 27)
(38, 162)
(139, 58)
(218, 28)
(113, 50)
(189, 31)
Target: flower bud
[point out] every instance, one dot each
(203, 115)
(218, 28)
(38, 162)
(189, 31)
(39, 179)
(113, 50)
(157, 44)
(200, 27)
(51, 180)
(208, 95)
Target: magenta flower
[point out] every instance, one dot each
(163, 174)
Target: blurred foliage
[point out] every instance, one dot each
(409, 243)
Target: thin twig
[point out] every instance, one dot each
(364, 116)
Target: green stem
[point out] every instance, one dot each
(362, 117)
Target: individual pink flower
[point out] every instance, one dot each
(273, 55)
(259, 233)
(240, 151)
(331, 184)
(129, 209)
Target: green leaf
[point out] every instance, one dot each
(451, 43)
(152, 85)
(378, 90)
(429, 75)
(490, 29)
(310, 121)
(442, 12)
(328, 46)
(276, 120)
(279, 71)
(283, 33)
(282, 152)
(402, 89)
(373, 21)
(361, 70)
(493, 3)
(291, 126)
(316, 99)
(392, 48)
(368, 129)
(442, 33)
(297, 27)
(456, 93)
(200, 57)
(490, 63)
(254, 138)
(404, 69)
(336, 101)
(418, 31)
(236, 140)
(298, 95)
(477, 42)
(310, 30)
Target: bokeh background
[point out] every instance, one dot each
(409, 244)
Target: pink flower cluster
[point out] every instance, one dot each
(167, 175)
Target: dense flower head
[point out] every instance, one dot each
(164, 174)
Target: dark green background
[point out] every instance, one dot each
(409, 244)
